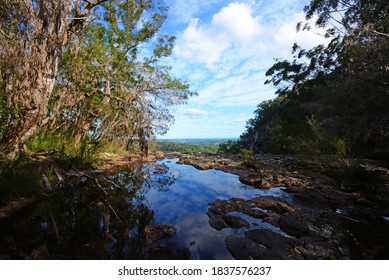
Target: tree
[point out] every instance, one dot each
(34, 35)
(78, 65)
(337, 91)
(126, 91)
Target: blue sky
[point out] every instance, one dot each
(223, 49)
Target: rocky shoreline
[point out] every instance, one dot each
(317, 218)
(321, 221)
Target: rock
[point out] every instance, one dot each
(262, 244)
(373, 170)
(235, 221)
(154, 233)
(216, 221)
(159, 155)
(293, 224)
(242, 248)
(280, 246)
(273, 204)
(291, 181)
(320, 250)
(255, 181)
(257, 213)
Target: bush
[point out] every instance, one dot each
(229, 147)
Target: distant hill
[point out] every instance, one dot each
(191, 145)
(198, 141)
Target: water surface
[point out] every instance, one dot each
(106, 219)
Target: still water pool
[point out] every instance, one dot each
(185, 205)
(107, 218)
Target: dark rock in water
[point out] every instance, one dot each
(235, 221)
(262, 244)
(216, 221)
(279, 247)
(242, 248)
(293, 225)
(273, 204)
(270, 239)
(156, 245)
(192, 243)
(154, 233)
(255, 181)
(219, 217)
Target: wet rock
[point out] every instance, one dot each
(262, 244)
(242, 248)
(257, 213)
(320, 250)
(216, 221)
(268, 238)
(291, 181)
(293, 224)
(273, 204)
(219, 217)
(323, 198)
(373, 170)
(154, 233)
(235, 221)
(255, 181)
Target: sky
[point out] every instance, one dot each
(222, 50)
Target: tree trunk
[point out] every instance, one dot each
(41, 56)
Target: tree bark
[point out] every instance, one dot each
(40, 46)
(37, 51)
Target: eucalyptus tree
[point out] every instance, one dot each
(33, 36)
(79, 64)
(116, 85)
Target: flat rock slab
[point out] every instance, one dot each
(262, 244)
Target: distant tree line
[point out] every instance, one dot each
(167, 146)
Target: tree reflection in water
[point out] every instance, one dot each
(103, 219)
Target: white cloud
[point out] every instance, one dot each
(195, 112)
(233, 27)
(201, 44)
(237, 21)
(239, 90)
(224, 57)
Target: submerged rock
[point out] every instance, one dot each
(155, 233)
(235, 221)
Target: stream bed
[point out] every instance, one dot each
(153, 211)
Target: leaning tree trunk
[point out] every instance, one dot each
(34, 35)
(43, 42)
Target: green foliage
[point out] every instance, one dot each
(229, 147)
(166, 146)
(68, 153)
(107, 79)
(128, 91)
(331, 99)
(55, 142)
(355, 175)
(115, 146)
(247, 156)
